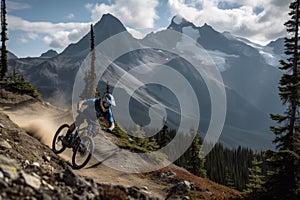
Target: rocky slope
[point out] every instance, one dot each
(30, 170)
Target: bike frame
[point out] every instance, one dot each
(90, 129)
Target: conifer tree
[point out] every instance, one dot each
(195, 163)
(256, 177)
(163, 136)
(139, 135)
(107, 87)
(14, 75)
(229, 166)
(228, 177)
(283, 183)
(3, 63)
(90, 75)
(142, 141)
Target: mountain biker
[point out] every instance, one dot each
(96, 107)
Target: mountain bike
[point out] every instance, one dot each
(81, 141)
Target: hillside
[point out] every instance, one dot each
(29, 169)
(249, 72)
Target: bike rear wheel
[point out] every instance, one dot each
(57, 144)
(83, 152)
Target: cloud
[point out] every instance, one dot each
(22, 40)
(253, 19)
(137, 14)
(240, 17)
(57, 44)
(57, 35)
(89, 6)
(76, 34)
(71, 16)
(10, 5)
(57, 40)
(32, 36)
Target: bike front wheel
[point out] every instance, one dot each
(83, 152)
(57, 144)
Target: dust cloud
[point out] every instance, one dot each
(41, 129)
(40, 120)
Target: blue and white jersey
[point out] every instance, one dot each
(95, 104)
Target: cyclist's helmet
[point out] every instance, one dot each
(110, 99)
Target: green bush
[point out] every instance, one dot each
(24, 88)
(19, 84)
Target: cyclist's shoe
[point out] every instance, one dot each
(82, 150)
(68, 139)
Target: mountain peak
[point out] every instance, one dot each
(277, 45)
(49, 54)
(106, 27)
(110, 23)
(207, 27)
(178, 19)
(108, 15)
(178, 22)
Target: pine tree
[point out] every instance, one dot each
(228, 177)
(3, 63)
(14, 75)
(283, 183)
(90, 75)
(229, 166)
(163, 136)
(139, 135)
(149, 144)
(256, 177)
(107, 87)
(195, 164)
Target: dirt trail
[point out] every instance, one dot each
(41, 120)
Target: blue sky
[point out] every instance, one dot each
(36, 26)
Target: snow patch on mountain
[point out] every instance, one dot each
(220, 58)
(266, 52)
(270, 57)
